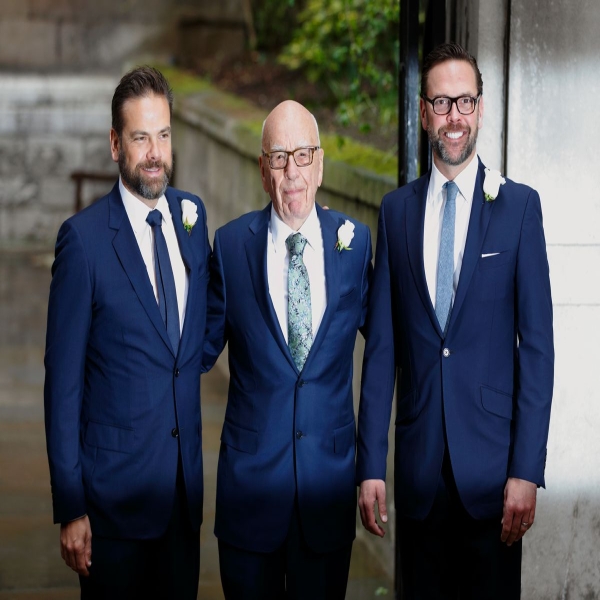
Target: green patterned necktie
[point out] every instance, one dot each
(300, 336)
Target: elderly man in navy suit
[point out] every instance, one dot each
(126, 320)
(288, 292)
(461, 309)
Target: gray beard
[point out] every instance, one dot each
(134, 180)
(439, 149)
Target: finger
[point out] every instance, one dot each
(368, 519)
(382, 507)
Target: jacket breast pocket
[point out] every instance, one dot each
(239, 438)
(496, 275)
(491, 262)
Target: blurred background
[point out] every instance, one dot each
(355, 64)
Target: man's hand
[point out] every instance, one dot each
(372, 491)
(76, 545)
(519, 509)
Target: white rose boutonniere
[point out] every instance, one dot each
(189, 216)
(491, 184)
(345, 235)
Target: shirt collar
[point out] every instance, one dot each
(137, 211)
(465, 181)
(311, 230)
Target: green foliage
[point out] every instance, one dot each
(351, 48)
(273, 22)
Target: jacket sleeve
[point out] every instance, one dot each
(69, 319)
(535, 352)
(379, 365)
(215, 336)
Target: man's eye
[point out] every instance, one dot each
(443, 102)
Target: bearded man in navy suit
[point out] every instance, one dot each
(126, 320)
(288, 292)
(461, 309)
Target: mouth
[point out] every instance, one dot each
(455, 135)
(151, 170)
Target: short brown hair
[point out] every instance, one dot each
(444, 52)
(137, 83)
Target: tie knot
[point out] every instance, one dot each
(295, 244)
(154, 218)
(451, 190)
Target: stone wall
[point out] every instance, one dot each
(49, 127)
(77, 35)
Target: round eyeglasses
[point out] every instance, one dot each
(442, 105)
(303, 157)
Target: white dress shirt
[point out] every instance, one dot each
(278, 259)
(137, 212)
(434, 214)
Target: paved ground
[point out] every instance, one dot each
(30, 563)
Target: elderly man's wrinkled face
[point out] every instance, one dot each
(292, 188)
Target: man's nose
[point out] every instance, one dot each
(153, 150)
(291, 169)
(454, 115)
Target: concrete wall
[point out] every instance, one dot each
(553, 80)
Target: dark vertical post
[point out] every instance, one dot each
(434, 35)
(408, 98)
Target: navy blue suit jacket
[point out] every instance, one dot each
(114, 391)
(489, 381)
(285, 432)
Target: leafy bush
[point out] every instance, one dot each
(273, 22)
(350, 47)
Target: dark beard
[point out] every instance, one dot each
(440, 151)
(135, 182)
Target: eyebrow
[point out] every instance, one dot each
(141, 132)
(302, 144)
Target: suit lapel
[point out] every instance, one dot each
(479, 220)
(415, 223)
(187, 257)
(130, 257)
(256, 254)
(333, 265)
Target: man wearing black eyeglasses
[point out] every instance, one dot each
(288, 292)
(460, 307)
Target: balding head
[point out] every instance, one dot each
(292, 189)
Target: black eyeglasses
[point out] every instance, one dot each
(442, 105)
(303, 157)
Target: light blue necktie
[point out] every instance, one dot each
(165, 282)
(445, 271)
(300, 336)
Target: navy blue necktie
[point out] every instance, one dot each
(445, 272)
(165, 282)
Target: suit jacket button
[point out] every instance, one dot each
(299, 435)
(175, 432)
(176, 372)
(446, 352)
(301, 383)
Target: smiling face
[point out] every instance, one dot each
(292, 189)
(143, 150)
(453, 137)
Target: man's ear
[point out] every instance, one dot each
(114, 145)
(423, 113)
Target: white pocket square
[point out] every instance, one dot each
(490, 254)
